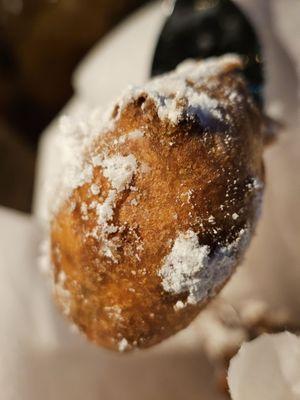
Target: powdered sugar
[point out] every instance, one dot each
(105, 210)
(84, 211)
(194, 269)
(173, 94)
(119, 170)
(205, 103)
(198, 71)
(180, 270)
(136, 134)
(114, 312)
(179, 305)
(95, 190)
(62, 293)
(123, 345)
(76, 134)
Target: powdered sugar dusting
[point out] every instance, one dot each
(95, 190)
(197, 71)
(180, 270)
(136, 134)
(205, 103)
(179, 305)
(123, 345)
(173, 94)
(195, 269)
(114, 312)
(119, 170)
(133, 135)
(105, 210)
(62, 293)
(76, 134)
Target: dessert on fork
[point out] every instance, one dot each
(157, 203)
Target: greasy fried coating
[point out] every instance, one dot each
(164, 209)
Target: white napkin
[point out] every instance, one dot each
(268, 368)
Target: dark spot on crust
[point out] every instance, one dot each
(115, 111)
(140, 101)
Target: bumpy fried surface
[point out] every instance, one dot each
(201, 175)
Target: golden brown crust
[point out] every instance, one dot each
(192, 175)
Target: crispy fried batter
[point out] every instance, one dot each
(115, 241)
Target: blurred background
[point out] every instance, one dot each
(41, 42)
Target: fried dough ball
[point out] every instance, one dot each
(159, 204)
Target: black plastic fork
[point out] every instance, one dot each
(204, 28)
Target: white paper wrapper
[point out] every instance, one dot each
(268, 368)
